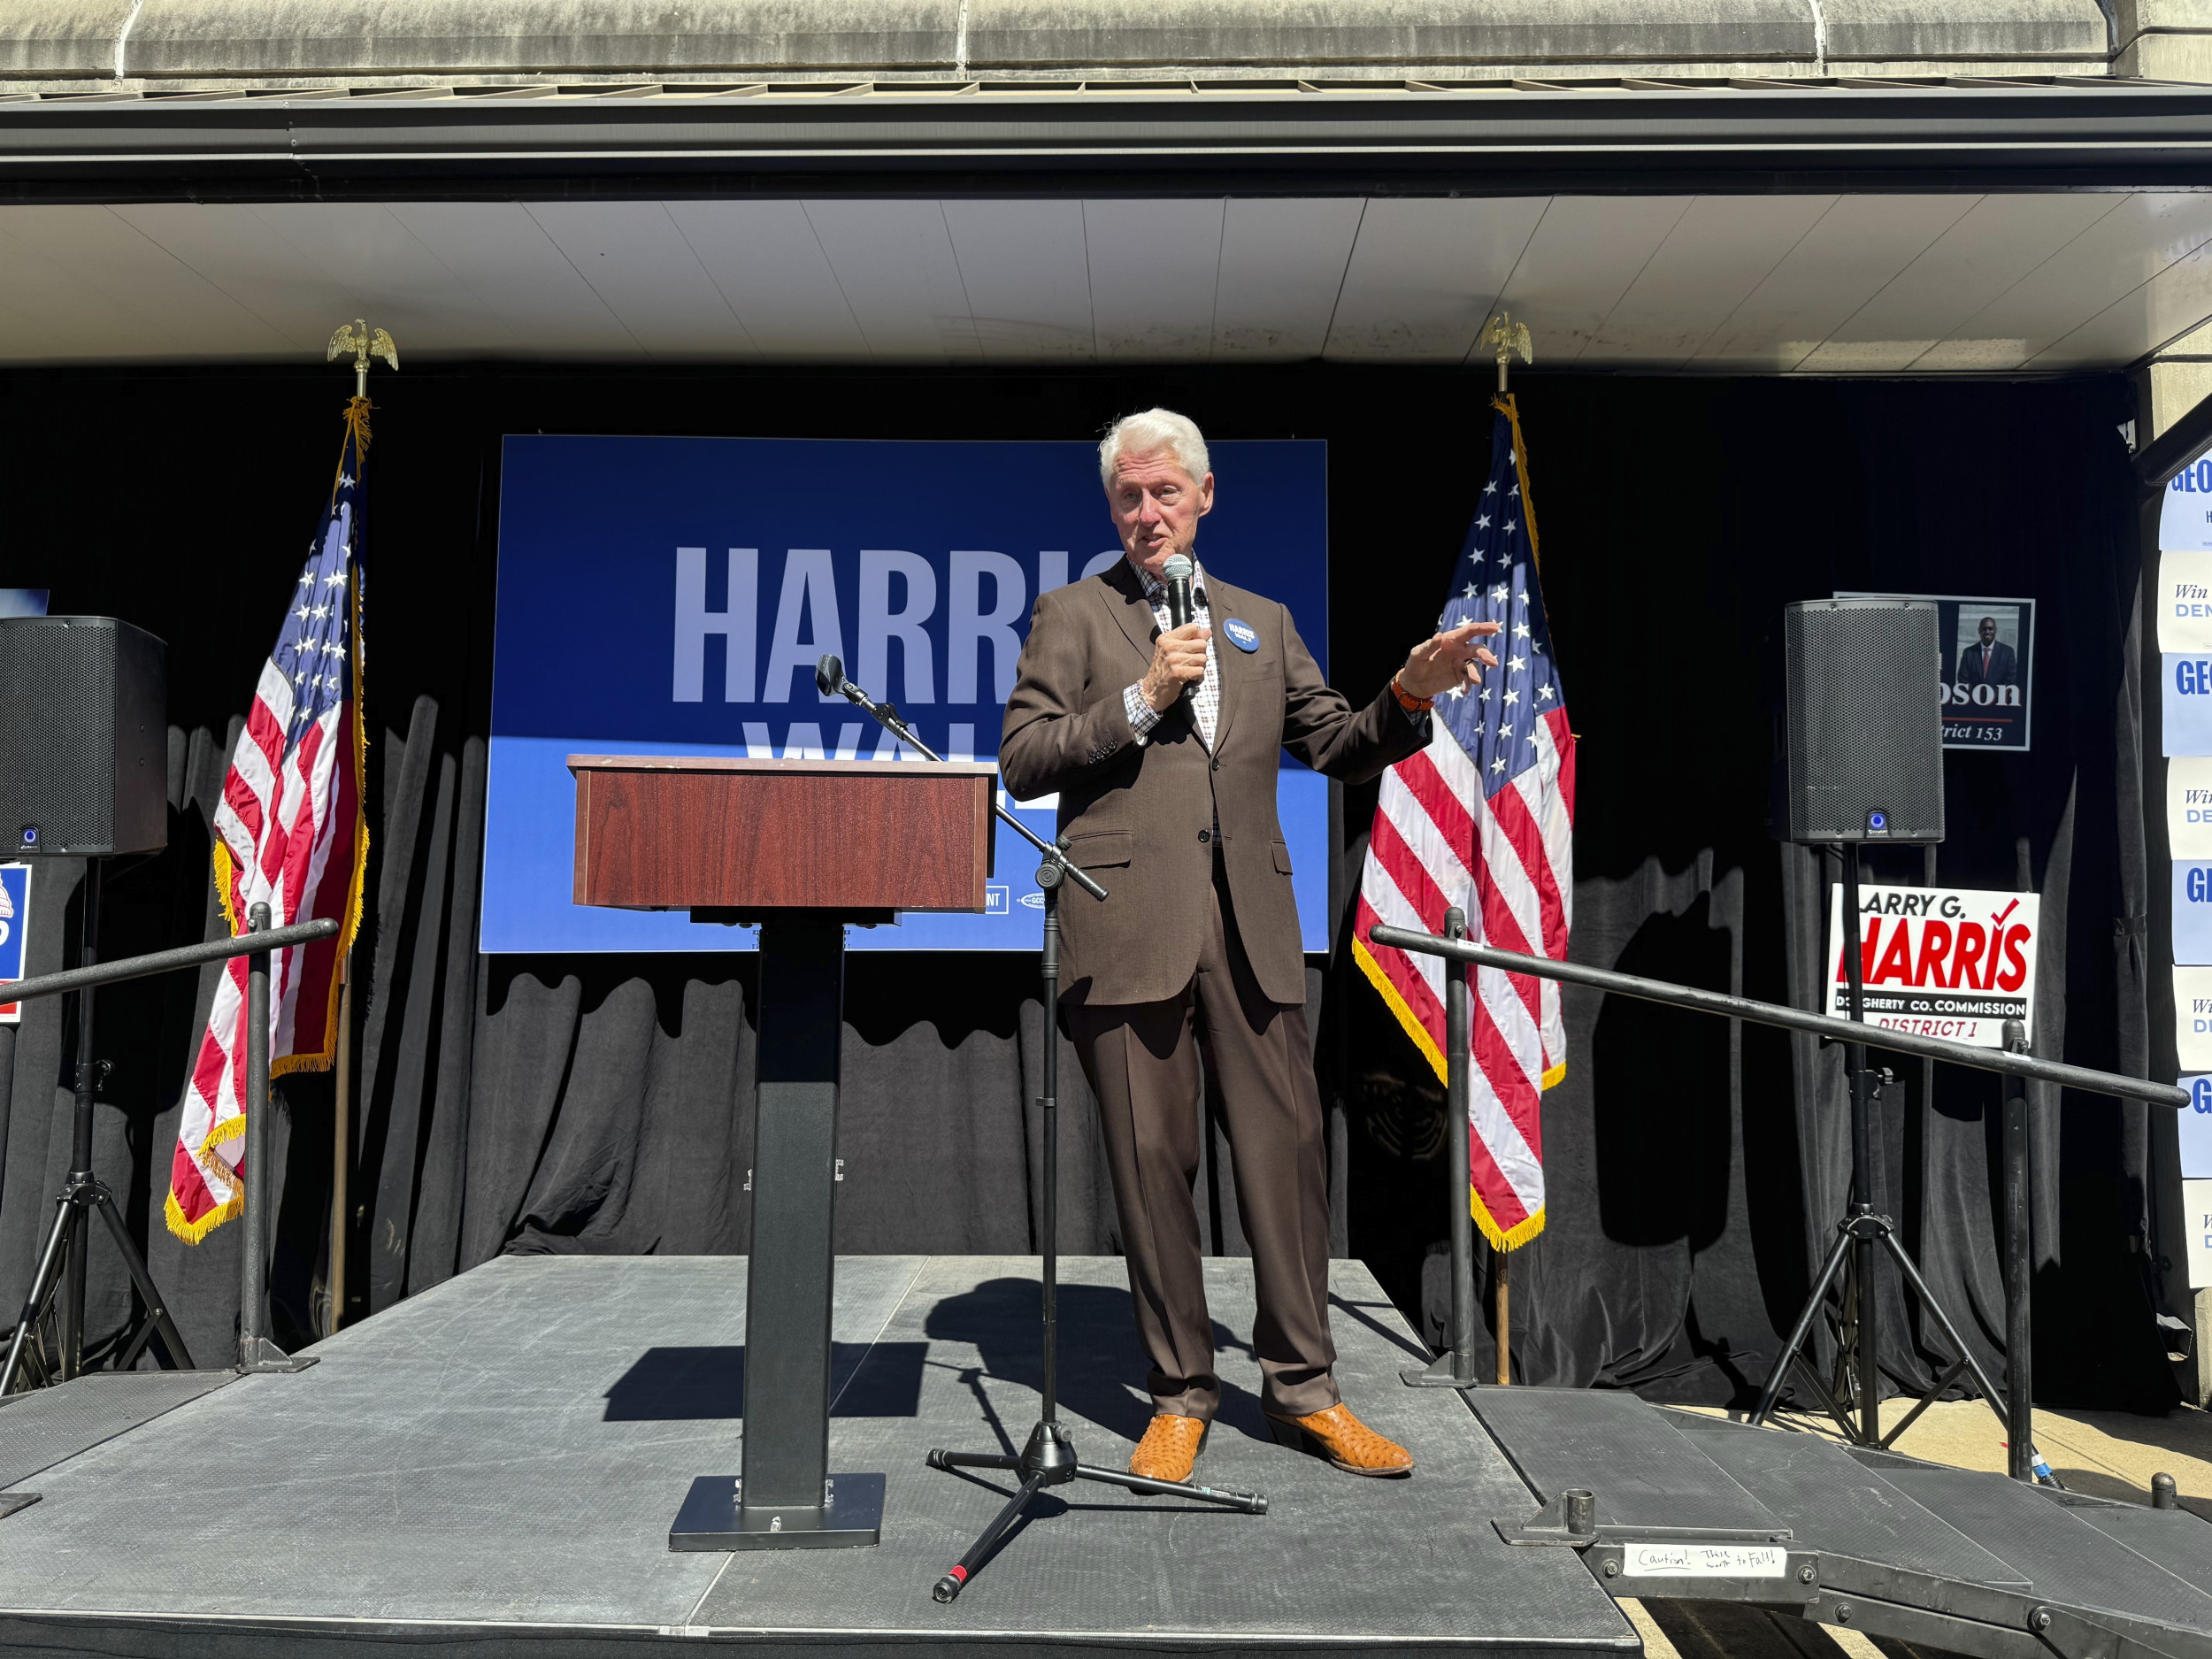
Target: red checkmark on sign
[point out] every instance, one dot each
(1999, 919)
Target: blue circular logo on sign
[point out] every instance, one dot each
(30, 835)
(1241, 635)
(1878, 821)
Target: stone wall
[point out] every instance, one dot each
(157, 46)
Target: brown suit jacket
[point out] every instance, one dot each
(1141, 818)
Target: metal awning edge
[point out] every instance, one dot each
(2074, 136)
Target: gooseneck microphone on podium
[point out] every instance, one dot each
(829, 680)
(1177, 571)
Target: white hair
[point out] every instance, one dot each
(1155, 429)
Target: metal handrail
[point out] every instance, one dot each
(1789, 1019)
(256, 1351)
(166, 961)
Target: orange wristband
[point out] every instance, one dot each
(1407, 701)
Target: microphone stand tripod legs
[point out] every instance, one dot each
(1049, 1460)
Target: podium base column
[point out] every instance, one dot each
(787, 1498)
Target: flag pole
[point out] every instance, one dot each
(366, 343)
(1507, 337)
(342, 1148)
(1505, 1327)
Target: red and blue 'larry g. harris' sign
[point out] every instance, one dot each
(1941, 962)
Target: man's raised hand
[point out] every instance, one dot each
(1454, 657)
(1179, 659)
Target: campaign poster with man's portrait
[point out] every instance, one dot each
(1988, 646)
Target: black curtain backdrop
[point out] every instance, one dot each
(602, 1103)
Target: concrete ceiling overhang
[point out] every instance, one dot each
(1677, 186)
(1836, 282)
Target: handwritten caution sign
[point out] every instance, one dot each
(1940, 961)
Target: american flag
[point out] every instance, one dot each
(1484, 818)
(289, 834)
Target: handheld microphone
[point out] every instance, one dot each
(1178, 572)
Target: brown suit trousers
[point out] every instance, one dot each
(1142, 1060)
(1197, 948)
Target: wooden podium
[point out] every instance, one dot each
(804, 848)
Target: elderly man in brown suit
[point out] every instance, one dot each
(1164, 745)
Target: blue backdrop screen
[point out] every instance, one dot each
(671, 596)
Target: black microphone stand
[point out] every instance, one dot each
(1049, 1459)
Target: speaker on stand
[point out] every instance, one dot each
(83, 774)
(1861, 760)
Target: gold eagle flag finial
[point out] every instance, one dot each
(1507, 337)
(364, 343)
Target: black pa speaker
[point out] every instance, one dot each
(1862, 748)
(84, 738)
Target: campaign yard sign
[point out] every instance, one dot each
(15, 928)
(1955, 963)
(2189, 806)
(1988, 647)
(2184, 601)
(2184, 518)
(671, 596)
(2196, 1129)
(2196, 1198)
(2185, 644)
(2188, 701)
(2189, 842)
(2193, 911)
(2192, 1017)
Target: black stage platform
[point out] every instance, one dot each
(491, 1468)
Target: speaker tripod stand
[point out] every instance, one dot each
(1862, 1233)
(61, 1265)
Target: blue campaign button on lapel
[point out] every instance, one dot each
(1241, 635)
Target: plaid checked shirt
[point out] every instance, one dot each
(1205, 697)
